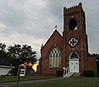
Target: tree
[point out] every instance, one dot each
(22, 53)
(14, 51)
(27, 54)
(3, 53)
(14, 54)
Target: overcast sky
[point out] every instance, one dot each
(32, 22)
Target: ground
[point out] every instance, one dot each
(56, 82)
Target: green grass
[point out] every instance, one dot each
(27, 78)
(67, 82)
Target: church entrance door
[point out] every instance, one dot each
(74, 65)
(73, 62)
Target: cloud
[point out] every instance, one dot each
(33, 21)
(23, 39)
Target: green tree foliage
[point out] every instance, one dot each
(22, 53)
(18, 54)
(13, 53)
(27, 54)
(3, 53)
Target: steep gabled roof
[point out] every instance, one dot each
(53, 34)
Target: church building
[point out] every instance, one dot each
(68, 51)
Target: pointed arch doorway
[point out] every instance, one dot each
(73, 62)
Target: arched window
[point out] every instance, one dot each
(73, 24)
(55, 58)
(73, 55)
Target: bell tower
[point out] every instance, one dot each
(75, 48)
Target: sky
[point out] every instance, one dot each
(31, 22)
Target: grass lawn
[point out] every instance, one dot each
(67, 82)
(27, 78)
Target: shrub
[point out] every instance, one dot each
(59, 72)
(88, 73)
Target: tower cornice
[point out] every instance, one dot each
(73, 9)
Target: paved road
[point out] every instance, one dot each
(26, 82)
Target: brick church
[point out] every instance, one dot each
(69, 50)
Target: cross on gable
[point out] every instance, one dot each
(73, 42)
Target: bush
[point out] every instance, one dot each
(59, 72)
(88, 73)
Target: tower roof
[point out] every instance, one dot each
(73, 9)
